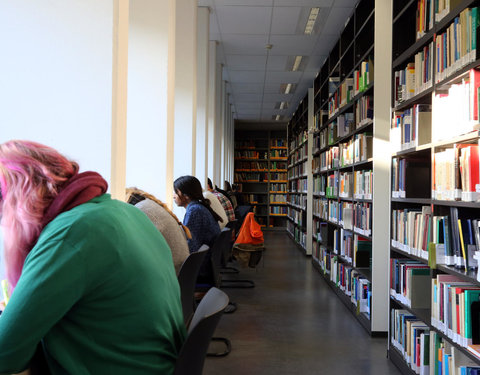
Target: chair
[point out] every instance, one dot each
(227, 254)
(187, 277)
(192, 354)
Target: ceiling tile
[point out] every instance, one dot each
(240, 88)
(244, 20)
(248, 98)
(325, 44)
(250, 111)
(292, 44)
(315, 63)
(304, 3)
(235, 44)
(283, 77)
(285, 20)
(251, 3)
(246, 62)
(345, 3)
(276, 97)
(336, 20)
(278, 63)
(244, 76)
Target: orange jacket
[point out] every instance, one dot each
(250, 232)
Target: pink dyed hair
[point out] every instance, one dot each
(30, 177)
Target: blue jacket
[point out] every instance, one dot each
(202, 225)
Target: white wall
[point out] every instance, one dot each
(56, 77)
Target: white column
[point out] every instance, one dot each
(203, 29)
(225, 137)
(185, 87)
(218, 136)
(119, 97)
(212, 105)
(381, 164)
(309, 172)
(56, 76)
(151, 79)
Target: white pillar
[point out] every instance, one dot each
(56, 76)
(212, 105)
(203, 29)
(381, 165)
(119, 97)
(185, 87)
(217, 138)
(151, 81)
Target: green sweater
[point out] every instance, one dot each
(100, 288)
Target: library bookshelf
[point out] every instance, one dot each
(261, 173)
(434, 188)
(333, 168)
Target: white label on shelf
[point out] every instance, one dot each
(395, 194)
(401, 194)
(424, 254)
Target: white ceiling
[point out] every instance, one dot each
(253, 73)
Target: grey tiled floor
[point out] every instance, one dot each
(293, 323)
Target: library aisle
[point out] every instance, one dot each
(293, 323)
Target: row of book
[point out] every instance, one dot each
(353, 248)
(319, 184)
(454, 240)
(326, 160)
(299, 170)
(250, 177)
(354, 216)
(278, 154)
(259, 166)
(424, 350)
(320, 140)
(278, 142)
(276, 176)
(298, 200)
(457, 46)
(345, 124)
(456, 173)
(298, 140)
(458, 105)
(251, 155)
(298, 186)
(278, 165)
(276, 187)
(299, 154)
(259, 210)
(409, 282)
(363, 111)
(299, 236)
(411, 127)
(298, 216)
(278, 198)
(351, 86)
(320, 208)
(331, 190)
(278, 210)
(424, 17)
(411, 177)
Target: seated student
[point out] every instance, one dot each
(93, 278)
(230, 194)
(217, 207)
(226, 204)
(199, 218)
(166, 222)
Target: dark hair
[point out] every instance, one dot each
(227, 186)
(210, 185)
(191, 187)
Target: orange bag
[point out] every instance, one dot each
(250, 232)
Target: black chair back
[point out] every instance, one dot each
(187, 277)
(217, 252)
(204, 322)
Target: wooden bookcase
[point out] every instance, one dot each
(261, 173)
(424, 144)
(331, 195)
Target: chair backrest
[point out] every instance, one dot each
(192, 354)
(218, 247)
(187, 277)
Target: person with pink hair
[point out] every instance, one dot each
(93, 280)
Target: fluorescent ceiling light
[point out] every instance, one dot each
(277, 118)
(288, 88)
(311, 20)
(283, 105)
(296, 63)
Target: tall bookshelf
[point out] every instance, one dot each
(261, 173)
(297, 175)
(343, 133)
(434, 169)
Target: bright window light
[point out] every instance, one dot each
(311, 20)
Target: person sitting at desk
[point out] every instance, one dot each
(92, 278)
(175, 233)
